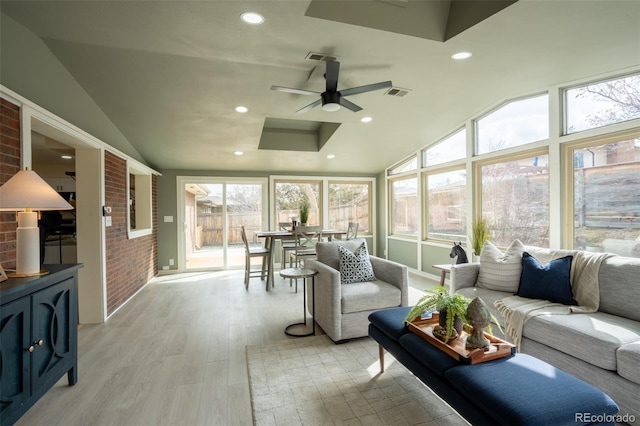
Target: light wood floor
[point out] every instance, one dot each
(175, 354)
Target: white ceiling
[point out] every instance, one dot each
(169, 73)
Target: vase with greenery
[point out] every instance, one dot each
(481, 233)
(452, 309)
(304, 211)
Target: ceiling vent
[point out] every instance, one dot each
(322, 57)
(396, 91)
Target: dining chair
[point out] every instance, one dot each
(352, 231)
(250, 253)
(306, 238)
(287, 244)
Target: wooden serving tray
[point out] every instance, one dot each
(498, 348)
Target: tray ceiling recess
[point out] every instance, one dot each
(295, 135)
(432, 20)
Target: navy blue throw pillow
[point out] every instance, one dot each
(549, 282)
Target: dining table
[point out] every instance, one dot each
(271, 236)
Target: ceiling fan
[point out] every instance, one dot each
(332, 98)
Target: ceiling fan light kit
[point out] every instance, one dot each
(332, 99)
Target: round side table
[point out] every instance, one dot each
(304, 273)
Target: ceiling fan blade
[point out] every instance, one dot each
(333, 70)
(310, 106)
(366, 88)
(349, 105)
(292, 90)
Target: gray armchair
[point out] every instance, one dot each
(342, 310)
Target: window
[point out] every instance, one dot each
(601, 104)
(446, 201)
(514, 124)
(350, 202)
(606, 197)
(139, 215)
(405, 166)
(404, 206)
(515, 199)
(452, 148)
(291, 194)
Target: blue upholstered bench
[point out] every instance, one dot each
(516, 390)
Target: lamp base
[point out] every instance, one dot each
(33, 274)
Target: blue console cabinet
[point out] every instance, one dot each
(38, 337)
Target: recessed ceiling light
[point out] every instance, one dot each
(366, 119)
(242, 109)
(252, 18)
(330, 156)
(66, 157)
(461, 55)
(238, 153)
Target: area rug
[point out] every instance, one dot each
(312, 381)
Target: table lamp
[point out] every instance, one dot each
(27, 193)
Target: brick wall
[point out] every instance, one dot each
(9, 166)
(130, 263)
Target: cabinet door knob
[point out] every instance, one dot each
(33, 347)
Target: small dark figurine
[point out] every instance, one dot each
(457, 250)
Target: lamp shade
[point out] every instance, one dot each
(27, 191)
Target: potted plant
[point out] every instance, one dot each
(452, 309)
(304, 211)
(481, 233)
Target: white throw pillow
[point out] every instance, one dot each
(500, 271)
(355, 267)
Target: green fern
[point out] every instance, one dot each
(439, 299)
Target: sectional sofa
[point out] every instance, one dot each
(601, 347)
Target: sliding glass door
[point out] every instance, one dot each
(214, 212)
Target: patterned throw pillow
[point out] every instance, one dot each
(355, 267)
(500, 271)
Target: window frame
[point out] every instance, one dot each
(567, 181)
(324, 201)
(495, 159)
(370, 184)
(394, 170)
(425, 203)
(449, 136)
(564, 120)
(390, 215)
(476, 121)
(301, 180)
(143, 197)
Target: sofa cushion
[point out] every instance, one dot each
(391, 321)
(542, 394)
(500, 271)
(629, 361)
(355, 267)
(619, 289)
(327, 252)
(367, 296)
(593, 337)
(547, 282)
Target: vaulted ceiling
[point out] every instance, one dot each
(169, 74)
